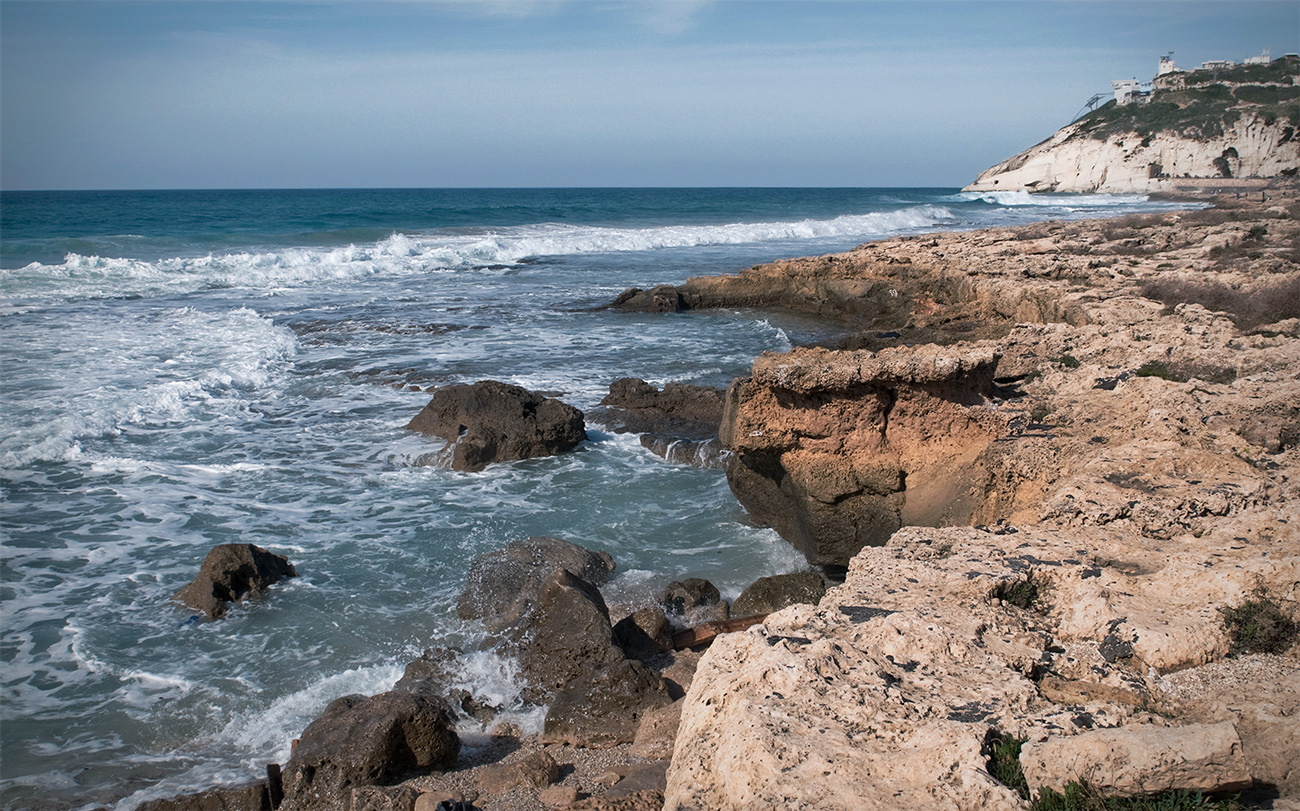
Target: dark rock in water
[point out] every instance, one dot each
(565, 635)
(432, 673)
(661, 299)
(645, 634)
(489, 422)
(251, 797)
(706, 454)
(679, 597)
(359, 741)
(680, 410)
(768, 594)
(503, 585)
(231, 572)
(604, 707)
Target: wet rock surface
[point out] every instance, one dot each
(230, 573)
(502, 586)
(489, 422)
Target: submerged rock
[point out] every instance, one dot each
(250, 797)
(231, 572)
(679, 410)
(489, 422)
(503, 585)
(359, 741)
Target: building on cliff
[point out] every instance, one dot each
(1231, 125)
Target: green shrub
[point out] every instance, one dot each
(1068, 361)
(1158, 369)
(1081, 797)
(1004, 764)
(1259, 625)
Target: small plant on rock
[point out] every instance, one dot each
(1259, 625)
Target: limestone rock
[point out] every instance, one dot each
(489, 422)
(657, 732)
(359, 741)
(768, 594)
(502, 586)
(1133, 761)
(604, 707)
(229, 573)
(1071, 161)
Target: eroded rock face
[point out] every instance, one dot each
(837, 450)
(489, 422)
(359, 741)
(231, 572)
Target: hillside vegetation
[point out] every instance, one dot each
(1208, 105)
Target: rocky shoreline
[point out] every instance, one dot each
(1047, 462)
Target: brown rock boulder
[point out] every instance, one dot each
(231, 572)
(532, 770)
(489, 422)
(604, 707)
(565, 635)
(768, 594)
(644, 634)
(359, 741)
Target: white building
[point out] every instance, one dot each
(1167, 64)
(1218, 64)
(1262, 59)
(1131, 91)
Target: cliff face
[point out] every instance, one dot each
(1215, 126)
(1071, 161)
(1068, 513)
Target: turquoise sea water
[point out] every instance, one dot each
(181, 369)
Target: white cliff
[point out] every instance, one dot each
(1073, 161)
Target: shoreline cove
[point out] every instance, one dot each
(1099, 411)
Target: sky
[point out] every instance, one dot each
(105, 94)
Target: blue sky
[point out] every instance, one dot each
(108, 94)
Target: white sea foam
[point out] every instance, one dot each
(1067, 201)
(161, 366)
(404, 254)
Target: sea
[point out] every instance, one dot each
(180, 369)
